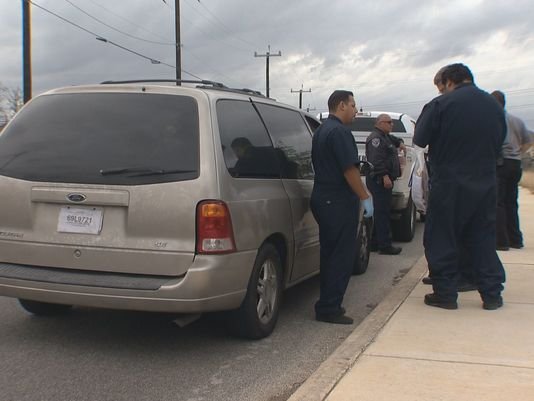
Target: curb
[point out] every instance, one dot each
(319, 385)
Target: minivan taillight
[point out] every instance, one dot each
(214, 228)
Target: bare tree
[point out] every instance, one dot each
(10, 101)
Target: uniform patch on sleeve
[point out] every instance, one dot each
(375, 142)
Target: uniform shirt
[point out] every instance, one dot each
(333, 151)
(517, 136)
(465, 130)
(381, 151)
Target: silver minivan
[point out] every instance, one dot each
(152, 197)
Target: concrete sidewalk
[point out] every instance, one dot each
(415, 352)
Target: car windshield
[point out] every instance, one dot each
(72, 138)
(366, 124)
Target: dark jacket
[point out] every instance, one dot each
(465, 130)
(381, 151)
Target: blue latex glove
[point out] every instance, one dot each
(368, 207)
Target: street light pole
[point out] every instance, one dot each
(26, 51)
(178, 43)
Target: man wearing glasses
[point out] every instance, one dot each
(381, 149)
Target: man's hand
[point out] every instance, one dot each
(368, 207)
(388, 184)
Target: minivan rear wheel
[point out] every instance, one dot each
(257, 316)
(44, 308)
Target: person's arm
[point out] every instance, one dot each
(398, 142)
(527, 137)
(426, 124)
(353, 178)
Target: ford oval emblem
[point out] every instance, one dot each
(76, 197)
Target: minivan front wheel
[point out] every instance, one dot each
(362, 245)
(43, 308)
(257, 316)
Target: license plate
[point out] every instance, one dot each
(80, 220)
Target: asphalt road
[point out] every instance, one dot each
(101, 355)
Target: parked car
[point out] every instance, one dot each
(403, 210)
(145, 196)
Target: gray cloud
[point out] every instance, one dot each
(386, 51)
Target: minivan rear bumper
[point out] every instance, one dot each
(212, 283)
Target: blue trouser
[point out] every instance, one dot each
(462, 214)
(338, 231)
(382, 203)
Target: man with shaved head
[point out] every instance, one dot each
(381, 151)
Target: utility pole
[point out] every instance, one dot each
(26, 51)
(178, 42)
(267, 55)
(300, 94)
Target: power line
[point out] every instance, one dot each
(127, 20)
(219, 21)
(102, 39)
(211, 35)
(118, 30)
(184, 47)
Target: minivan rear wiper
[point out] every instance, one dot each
(141, 171)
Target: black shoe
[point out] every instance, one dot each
(466, 286)
(334, 318)
(427, 280)
(492, 303)
(503, 248)
(435, 300)
(390, 250)
(516, 246)
(373, 248)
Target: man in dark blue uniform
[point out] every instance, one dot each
(381, 151)
(335, 204)
(464, 129)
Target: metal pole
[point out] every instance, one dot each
(26, 51)
(267, 70)
(178, 42)
(267, 55)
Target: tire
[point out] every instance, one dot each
(257, 315)
(44, 309)
(404, 228)
(362, 245)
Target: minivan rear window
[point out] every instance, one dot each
(367, 124)
(103, 138)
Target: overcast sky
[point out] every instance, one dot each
(387, 52)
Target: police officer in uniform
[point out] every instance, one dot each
(335, 204)
(381, 150)
(464, 129)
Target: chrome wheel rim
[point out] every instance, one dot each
(267, 289)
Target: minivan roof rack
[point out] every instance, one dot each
(235, 90)
(202, 84)
(185, 81)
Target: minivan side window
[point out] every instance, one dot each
(292, 138)
(247, 148)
